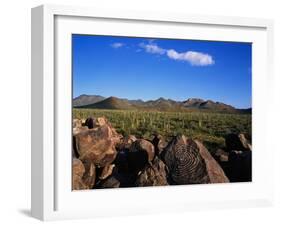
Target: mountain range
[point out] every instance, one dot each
(161, 104)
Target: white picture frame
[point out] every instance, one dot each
(52, 197)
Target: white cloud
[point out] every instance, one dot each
(152, 48)
(194, 58)
(117, 45)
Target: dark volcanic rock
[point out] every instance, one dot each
(74, 150)
(106, 171)
(215, 172)
(118, 178)
(185, 164)
(159, 144)
(246, 144)
(89, 123)
(110, 182)
(237, 142)
(141, 152)
(126, 142)
(237, 161)
(240, 166)
(78, 171)
(221, 155)
(122, 160)
(137, 160)
(97, 122)
(143, 145)
(96, 145)
(89, 176)
(153, 175)
(102, 158)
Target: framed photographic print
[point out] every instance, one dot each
(137, 112)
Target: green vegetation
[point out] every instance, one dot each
(206, 126)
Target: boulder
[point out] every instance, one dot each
(77, 130)
(110, 182)
(122, 160)
(237, 142)
(184, 162)
(126, 142)
(89, 176)
(159, 144)
(240, 166)
(77, 126)
(92, 123)
(76, 123)
(100, 121)
(215, 172)
(89, 123)
(78, 171)
(74, 153)
(141, 152)
(245, 142)
(142, 145)
(221, 155)
(153, 175)
(96, 145)
(95, 122)
(106, 171)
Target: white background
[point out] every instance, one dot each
(15, 112)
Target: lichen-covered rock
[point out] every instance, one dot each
(78, 171)
(153, 175)
(185, 164)
(96, 145)
(215, 172)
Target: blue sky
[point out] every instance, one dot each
(141, 68)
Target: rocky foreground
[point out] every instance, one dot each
(102, 158)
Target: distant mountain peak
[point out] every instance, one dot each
(160, 104)
(85, 99)
(160, 99)
(112, 98)
(110, 103)
(194, 100)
